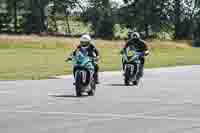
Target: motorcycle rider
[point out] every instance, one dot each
(86, 43)
(137, 44)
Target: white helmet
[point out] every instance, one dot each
(85, 38)
(135, 35)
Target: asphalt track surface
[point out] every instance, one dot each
(166, 101)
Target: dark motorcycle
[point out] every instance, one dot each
(132, 64)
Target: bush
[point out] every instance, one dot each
(120, 32)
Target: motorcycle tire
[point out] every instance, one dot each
(78, 86)
(126, 77)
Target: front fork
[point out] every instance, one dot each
(84, 77)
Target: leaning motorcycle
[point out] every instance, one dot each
(83, 73)
(132, 67)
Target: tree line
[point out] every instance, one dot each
(178, 18)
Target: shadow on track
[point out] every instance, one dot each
(115, 84)
(65, 96)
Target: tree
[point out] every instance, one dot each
(196, 20)
(14, 8)
(177, 13)
(142, 15)
(156, 15)
(184, 11)
(99, 14)
(35, 20)
(5, 17)
(62, 7)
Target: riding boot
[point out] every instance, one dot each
(96, 77)
(74, 83)
(123, 66)
(96, 74)
(141, 71)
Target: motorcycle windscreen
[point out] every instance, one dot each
(81, 58)
(130, 55)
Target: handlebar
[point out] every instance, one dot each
(68, 59)
(94, 59)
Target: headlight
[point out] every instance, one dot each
(131, 53)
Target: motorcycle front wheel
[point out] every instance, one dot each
(126, 77)
(78, 85)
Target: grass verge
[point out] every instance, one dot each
(32, 57)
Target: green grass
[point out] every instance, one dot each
(39, 58)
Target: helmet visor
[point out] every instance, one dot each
(84, 44)
(135, 36)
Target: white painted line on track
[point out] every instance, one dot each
(120, 116)
(26, 106)
(60, 94)
(158, 101)
(6, 92)
(80, 122)
(32, 105)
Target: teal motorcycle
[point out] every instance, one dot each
(131, 67)
(83, 71)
